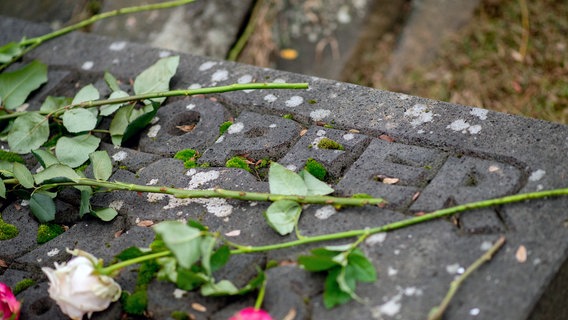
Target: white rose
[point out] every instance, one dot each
(77, 288)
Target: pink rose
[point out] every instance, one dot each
(9, 306)
(251, 314)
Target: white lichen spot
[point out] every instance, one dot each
(279, 80)
(152, 182)
(247, 78)
(319, 114)
(391, 307)
(453, 268)
(119, 156)
(190, 172)
(236, 128)
(343, 15)
(376, 238)
(320, 133)
(117, 45)
(220, 75)
(190, 106)
(348, 136)
(116, 204)
(153, 131)
(391, 271)
(486, 245)
(420, 113)
(273, 125)
(464, 127)
(234, 233)
(480, 113)
(291, 167)
(207, 65)
(87, 65)
(220, 139)
(199, 179)
(219, 207)
(474, 312)
(537, 175)
(270, 98)
(403, 96)
(460, 270)
(412, 291)
(494, 168)
(179, 293)
(194, 86)
(163, 54)
(294, 101)
(154, 197)
(474, 129)
(115, 61)
(52, 252)
(325, 212)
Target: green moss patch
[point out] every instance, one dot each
(224, 126)
(315, 168)
(23, 285)
(7, 231)
(327, 143)
(238, 162)
(48, 231)
(188, 156)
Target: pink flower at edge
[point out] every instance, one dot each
(9, 305)
(251, 313)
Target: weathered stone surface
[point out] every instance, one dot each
(437, 154)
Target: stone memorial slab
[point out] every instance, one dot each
(420, 155)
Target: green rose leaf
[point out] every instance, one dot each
(51, 103)
(111, 81)
(284, 181)
(221, 288)
(109, 109)
(188, 280)
(87, 93)
(320, 260)
(139, 119)
(314, 185)
(85, 206)
(207, 246)
(17, 85)
(332, 294)
(182, 240)
(43, 207)
(56, 173)
(119, 123)
(156, 78)
(45, 158)
(220, 258)
(79, 119)
(105, 214)
(364, 270)
(23, 175)
(282, 216)
(28, 132)
(9, 51)
(102, 165)
(75, 151)
(168, 269)
(2, 189)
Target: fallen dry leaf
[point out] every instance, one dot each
(303, 132)
(353, 131)
(390, 180)
(198, 307)
(415, 196)
(291, 315)
(521, 254)
(386, 138)
(3, 264)
(118, 233)
(145, 223)
(186, 127)
(233, 233)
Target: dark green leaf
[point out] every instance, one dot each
(156, 78)
(17, 85)
(56, 173)
(188, 280)
(86, 193)
(220, 258)
(254, 283)
(23, 175)
(45, 158)
(87, 93)
(2, 189)
(119, 123)
(140, 121)
(363, 268)
(314, 185)
(111, 81)
(28, 132)
(347, 281)
(332, 294)
(75, 151)
(182, 240)
(284, 181)
(43, 207)
(79, 119)
(129, 253)
(105, 214)
(282, 215)
(317, 263)
(168, 269)
(197, 225)
(102, 165)
(51, 104)
(9, 51)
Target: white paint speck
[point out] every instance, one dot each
(464, 127)
(376, 238)
(391, 307)
(152, 182)
(325, 212)
(537, 175)
(474, 312)
(396, 252)
(319, 114)
(163, 54)
(220, 75)
(486, 245)
(294, 101)
(420, 113)
(236, 128)
(87, 65)
(273, 125)
(119, 156)
(348, 136)
(52, 252)
(190, 106)
(117, 45)
(116, 204)
(179, 293)
(194, 86)
(153, 131)
(391, 271)
(270, 98)
(207, 65)
(320, 133)
(154, 197)
(453, 268)
(460, 270)
(234, 233)
(480, 113)
(247, 78)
